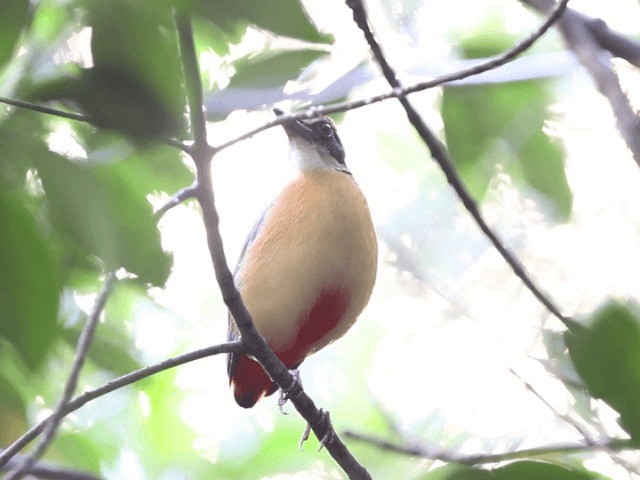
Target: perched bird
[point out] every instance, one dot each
(309, 264)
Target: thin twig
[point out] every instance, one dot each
(566, 418)
(449, 456)
(82, 349)
(75, 116)
(116, 384)
(251, 338)
(182, 195)
(42, 109)
(597, 61)
(441, 156)
(588, 438)
(52, 472)
(491, 64)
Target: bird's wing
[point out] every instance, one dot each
(232, 332)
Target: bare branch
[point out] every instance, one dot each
(116, 384)
(579, 37)
(51, 472)
(184, 194)
(441, 156)
(82, 349)
(588, 438)
(75, 116)
(319, 110)
(436, 452)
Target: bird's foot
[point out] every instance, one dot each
(328, 435)
(286, 394)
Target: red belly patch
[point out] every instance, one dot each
(250, 382)
(323, 317)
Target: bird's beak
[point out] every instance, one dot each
(295, 128)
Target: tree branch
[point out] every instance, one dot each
(579, 36)
(251, 338)
(436, 452)
(399, 91)
(75, 116)
(82, 349)
(588, 438)
(51, 472)
(441, 156)
(116, 384)
(185, 194)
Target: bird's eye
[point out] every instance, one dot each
(325, 130)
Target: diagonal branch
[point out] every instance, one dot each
(588, 438)
(584, 38)
(398, 91)
(74, 116)
(48, 471)
(441, 156)
(436, 452)
(82, 349)
(116, 384)
(251, 338)
(180, 196)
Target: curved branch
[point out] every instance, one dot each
(82, 349)
(579, 37)
(182, 195)
(399, 91)
(441, 156)
(48, 471)
(116, 384)
(436, 452)
(75, 116)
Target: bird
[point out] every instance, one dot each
(308, 266)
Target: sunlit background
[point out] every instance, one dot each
(451, 344)
(435, 349)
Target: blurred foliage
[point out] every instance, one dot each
(522, 470)
(76, 203)
(606, 354)
(503, 125)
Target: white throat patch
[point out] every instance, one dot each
(307, 157)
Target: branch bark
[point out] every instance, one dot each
(116, 384)
(589, 39)
(441, 156)
(436, 452)
(82, 349)
(48, 471)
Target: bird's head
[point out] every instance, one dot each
(314, 144)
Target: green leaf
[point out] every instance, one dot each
(13, 17)
(29, 282)
(10, 395)
(135, 85)
(114, 99)
(489, 125)
(157, 169)
(271, 68)
(523, 470)
(21, 140)
(606, 354)
(95, 206)
(282, 17)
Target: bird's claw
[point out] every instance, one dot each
(328, 435)
(286, 394)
